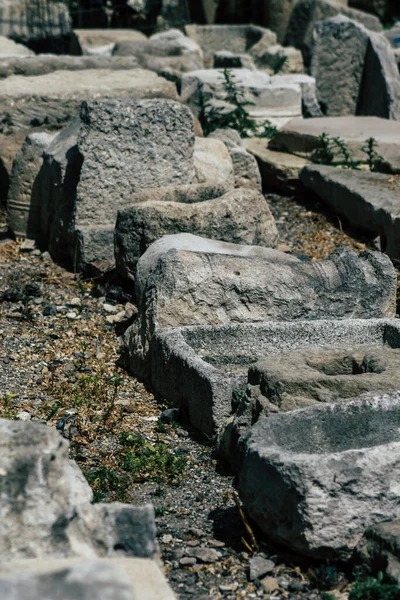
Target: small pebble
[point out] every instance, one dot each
(110, 308)
(75, 302)
(259, 566)
(187, 561)
(71, 315)
(205, 555)
(167, 538)
(269, 584)
(24, 415)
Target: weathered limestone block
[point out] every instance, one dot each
(114, 149)
(102, 41)
(240, 217)
(307, 12)
(43, 25)
(212, 162)
(309, 102)
(9, 48)
(23, 215)
(369, 201)
(187, 288)
(301, 137)
(45, 503)
(246, 171)
(281, 60)
(53, 100)
(348, 61)
(315, 479)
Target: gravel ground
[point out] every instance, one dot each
(58, 352)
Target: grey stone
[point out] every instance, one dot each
(279, 170)
(240, 217)
(45, 503)
(53, 100)
(369, 201)
(259, 566)
(170, 51)
(301, 137)
(307, 12)
(95, 165)
(77, 579)
(41, 24)
(281, 60)
(310, 106)
(347, 62)
(245, 167)
(205, 555)
(9, 48)
(187, 288)
(89, 41)
(223, 59)
(203, 369)
(315, 479)
(237, 39)
(194, 243)
(393, 35)
(269, 99)
(9, 147)
(212, 162)
(380, 546)
(48, 63)
(23, 215)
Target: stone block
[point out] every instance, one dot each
(212, 162)
(9, 48)
(315, 479)
(223, 59)
(94, 41)
(245, 168)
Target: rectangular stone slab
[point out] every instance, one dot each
(369, 201)
(198, 368)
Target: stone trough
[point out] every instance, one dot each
(200, 367)
(315, 479)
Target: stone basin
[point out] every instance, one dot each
(315, 479)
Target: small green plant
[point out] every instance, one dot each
(373, 158)
(370, 588)
(325, 577)
(7, 408)
(105, 480)
(214, 117)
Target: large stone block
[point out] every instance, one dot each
(77, 579)
(315, 479)
(43, 25)
(45, 503)
(240, 217)
(9, 48)
(102, 41)
(347, 62)
(212, 162)
(114, 149)
(203, 369)
(53, 100)
(370, 202)
(301, 137)
(245, 168)
(308, 12)
(187, 288)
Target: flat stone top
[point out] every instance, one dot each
(366, 422)
(101, 37)
(244, 77)
(93, 83)
(259, 148)
(348, 128)
(379, 190)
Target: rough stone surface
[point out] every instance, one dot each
(9, 48)
(64, 579)
(245, 168)
(45, 503)
(310, 106)
(281, 60)
(212, 162)
(234, 38)
(300, 137)
(23, 215)
(369, 201)
(9, 146)
(94, 41)
(223, 59)
(187, 288)
(199, 368)
(41, 24)
(48, 63)
(53, 100)
(279, 171)
(307, 12)
(315, 479)
(240, 217)
(95, 165)
(347, 62)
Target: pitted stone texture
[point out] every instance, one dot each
(240, 217)
(8, 48)
(369, 201)
(281, 60)
(234, 38)
(41, 24)
(53, 100)
(246, 171)
(201, 368)
(48, 63)
(23, 215)
(301, 137)
(102, 579)
(315, 479)
(308, 12)
(45, 503)
(212, 162)
(347, 62)
(187, 288)
(309, 102)
(115, 148)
